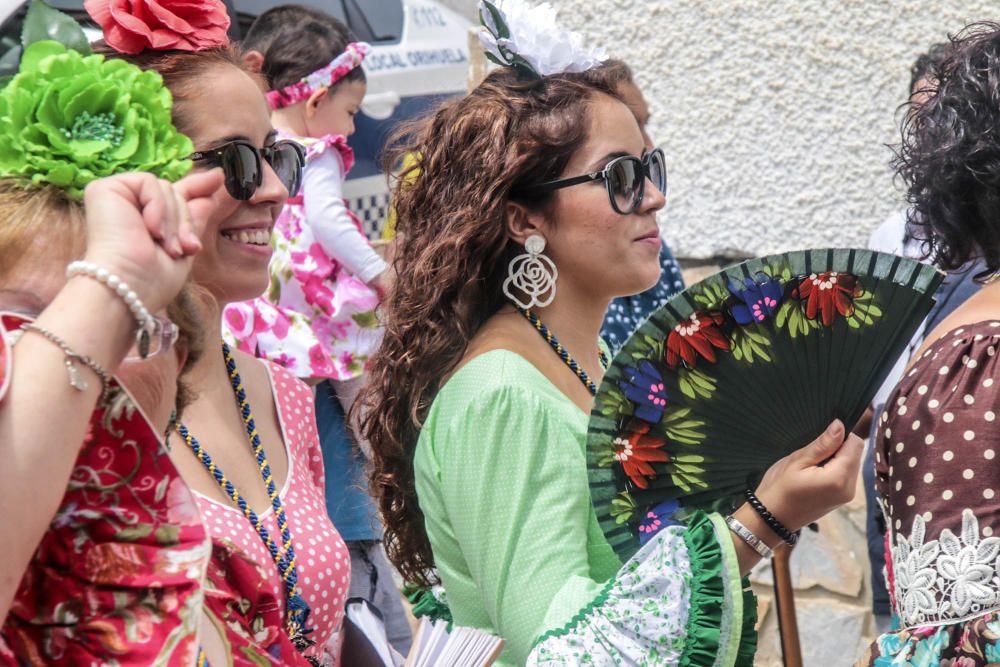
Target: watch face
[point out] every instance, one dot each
(10, 331)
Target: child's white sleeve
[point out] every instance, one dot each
(322, 192)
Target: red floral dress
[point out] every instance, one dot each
(116, 580)
(244, 589)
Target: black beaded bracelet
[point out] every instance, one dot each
(772, 522)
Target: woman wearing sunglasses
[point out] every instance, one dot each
(534, 206)
(247, 444)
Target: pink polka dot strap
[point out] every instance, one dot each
(296, 609)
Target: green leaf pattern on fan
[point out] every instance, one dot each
(750, 343)
(623, 508)
(865, 311)
(793, 315)
(713, 296)
(694, 383)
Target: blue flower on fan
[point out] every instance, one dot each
(656, 519)
(644, 387)
(759, 299)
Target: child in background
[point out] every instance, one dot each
(286, 44)
(318, 317)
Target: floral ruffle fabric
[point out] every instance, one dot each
(972, 644)
(116, 580)
(316, 319)
(247, 613)
(678, 601)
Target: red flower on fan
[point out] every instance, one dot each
(636, 451)
(699, 335)
(827, 294)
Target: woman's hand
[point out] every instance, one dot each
(802, 487)
(814, 480)
(146, 230)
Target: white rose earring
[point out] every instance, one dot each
(532, 274)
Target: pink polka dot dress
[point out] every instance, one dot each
(938, 477)
(323, 562)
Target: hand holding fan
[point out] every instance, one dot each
(737, 372)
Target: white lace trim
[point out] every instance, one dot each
(947, 579)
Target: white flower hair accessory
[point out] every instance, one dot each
(528, 39)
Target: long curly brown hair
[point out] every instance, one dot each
(465, 161)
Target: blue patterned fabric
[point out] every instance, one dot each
(626, 313)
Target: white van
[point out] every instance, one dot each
(429, 63)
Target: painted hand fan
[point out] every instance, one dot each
(740, 370)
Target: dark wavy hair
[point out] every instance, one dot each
(949, 156)
(465, 161)
(926, 62)
(296, 41)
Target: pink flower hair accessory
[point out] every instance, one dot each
(133, 26)
(323, 78)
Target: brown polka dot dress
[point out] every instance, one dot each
(938, 477)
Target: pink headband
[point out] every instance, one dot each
(322, 78)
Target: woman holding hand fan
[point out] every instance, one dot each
(530, 207)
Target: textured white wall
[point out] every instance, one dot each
(774, 116)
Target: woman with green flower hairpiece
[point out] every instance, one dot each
(104, 552)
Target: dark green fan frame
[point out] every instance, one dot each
(739, 396)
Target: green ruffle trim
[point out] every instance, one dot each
(424, 603)
(579, 616)
(748, 636)
(708, 599)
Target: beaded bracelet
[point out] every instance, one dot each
(76, 380)
(747, 536)
(772, 522)
(147, 323)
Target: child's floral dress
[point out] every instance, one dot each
(316, 319)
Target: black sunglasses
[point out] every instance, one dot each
(625, 178)
(241, 163)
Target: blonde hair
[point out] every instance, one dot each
(31, 214)
(40, 220)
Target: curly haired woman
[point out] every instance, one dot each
(937, 440)
(478, 425)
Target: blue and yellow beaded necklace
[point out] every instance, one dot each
(563, 352)
(296, 608)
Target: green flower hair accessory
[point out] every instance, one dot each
(68, 119)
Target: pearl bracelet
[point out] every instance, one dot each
(147, 323)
